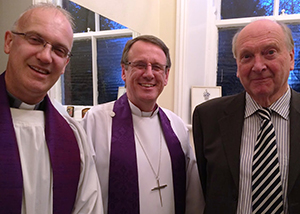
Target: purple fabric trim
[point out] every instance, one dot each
(11, 178)
(64, 157)
(123, 188)
(123, 196)
(178, 163)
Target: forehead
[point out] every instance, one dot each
(147, 50)
(261, 33)
(49, 23)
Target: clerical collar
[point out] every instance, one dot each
(16, 103)
(136, 111)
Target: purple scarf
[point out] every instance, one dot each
(123, 196)
(64, 158)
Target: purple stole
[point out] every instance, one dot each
(64, 158)
(123, 191)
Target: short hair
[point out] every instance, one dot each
(44, 5)
(146, 38)
(287, 34)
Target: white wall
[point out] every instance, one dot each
(195, 52)
(9, 12)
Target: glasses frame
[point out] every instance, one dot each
(164, 67)
(44, 42)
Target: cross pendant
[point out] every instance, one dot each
(159, 188)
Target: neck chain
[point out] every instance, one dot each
(158, 170)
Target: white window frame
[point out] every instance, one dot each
(55, 93)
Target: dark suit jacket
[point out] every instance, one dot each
(217, 130)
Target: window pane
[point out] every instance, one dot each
(294, 78)
(83, 18)
(289, 6)
(78, 83)
(246, 8)
(109, 69)
(226, 75)
(107, 24)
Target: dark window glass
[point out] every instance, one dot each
(83, 18)
(77, 86)
(289, 6)
(78, 82)
(109, 53)
(107, 24)
(294, 78)
(246, 8)
(226, 75)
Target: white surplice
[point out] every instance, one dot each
(29, 127)
(148, 133)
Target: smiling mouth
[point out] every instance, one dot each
(147, 85)
(39, 70)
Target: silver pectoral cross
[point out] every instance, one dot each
(159, 188)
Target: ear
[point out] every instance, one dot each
(237, 73)
(66, 63)
(8, 41)
(292, 60)
(166, 77)
(123, 72)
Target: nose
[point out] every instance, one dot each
(45, 54)
(259, 64)
(148, 71)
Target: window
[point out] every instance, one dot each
(235, 14)
(93, 74)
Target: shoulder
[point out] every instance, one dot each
(174, 118)
(77, 129)
(221, 103)
(177, 124)
(102, 107)
(74, 124)
(101, 110)
(99, 117)
(295, 101)
(295, 95)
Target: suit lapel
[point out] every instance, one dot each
(294, 162)
(231, 126)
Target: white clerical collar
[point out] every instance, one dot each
(16, 103)
(136, 111)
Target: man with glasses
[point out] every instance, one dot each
(45, 162)
(143, 157)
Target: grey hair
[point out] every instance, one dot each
(287, 34)
(44, 5)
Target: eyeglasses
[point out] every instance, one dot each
(36, 40)
(140, 65)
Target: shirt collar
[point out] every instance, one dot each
(281, 106)
(16, 103)
(136, 111)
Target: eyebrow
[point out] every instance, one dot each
(52, 43)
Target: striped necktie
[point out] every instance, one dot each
(266, 181)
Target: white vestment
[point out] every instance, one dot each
(148, 135)
(29, 127)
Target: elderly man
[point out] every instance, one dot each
(247, 145)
